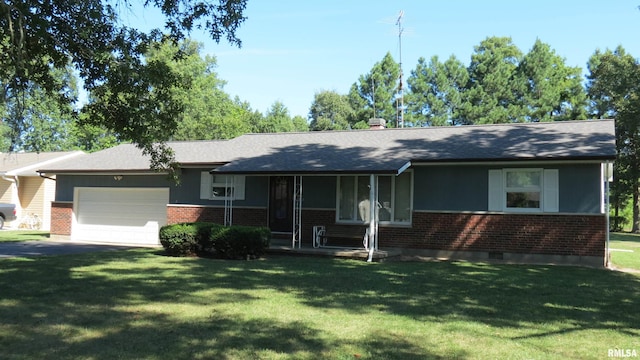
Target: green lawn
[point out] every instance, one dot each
(23, 235)
(625, 250)
(139, 304)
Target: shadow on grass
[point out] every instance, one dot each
(23, 235)
(631, 237)
(79, 306)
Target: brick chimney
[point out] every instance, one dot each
(377, 123)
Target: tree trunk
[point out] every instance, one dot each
(616, 216)
(636, 209)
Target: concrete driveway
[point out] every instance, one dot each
(41, 248)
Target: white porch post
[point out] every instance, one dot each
(297, 212)
(228, 199)
(373, 221)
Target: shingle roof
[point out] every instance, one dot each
(129, 158)
(26, 163)
(385, 150)
(390, 149)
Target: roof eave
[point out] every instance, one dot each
(595, 158)
(100, 172)
(304, 172)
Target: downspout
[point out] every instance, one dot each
(372, 216)
(607, 204)
(12, 179)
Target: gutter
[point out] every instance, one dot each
(42, 175)
(11, 178)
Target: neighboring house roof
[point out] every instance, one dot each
(375, 151)
(26, 163)
(129, 158)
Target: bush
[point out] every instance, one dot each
(618, 223)
(240, 242)
(186, 239)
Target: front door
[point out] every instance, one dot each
(281, 203)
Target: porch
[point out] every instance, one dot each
(281, 244)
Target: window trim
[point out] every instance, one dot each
(549, 191)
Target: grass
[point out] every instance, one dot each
(139, 304)
(23, 235)
(625, 250)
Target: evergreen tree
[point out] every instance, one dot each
(494, 93)
(553, 91)
(436, 89)
(376, 91)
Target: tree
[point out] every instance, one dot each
(614, 91)
(553, 91)
(435, 92)
(330, 111)
(376, 91)
(494, 93)
(300, 123)
(36, 121)
(209, 112)
(92, 138)
(133, 98)
(277, 119)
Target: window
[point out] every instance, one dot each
(221, 187)
(394, 198)
(523, 190)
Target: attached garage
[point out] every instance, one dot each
(119, 215)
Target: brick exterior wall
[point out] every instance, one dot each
(191, 213)
(61, 217)
(544, 234)
(575, 235)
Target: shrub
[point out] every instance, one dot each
(240, 242)
(187, 238)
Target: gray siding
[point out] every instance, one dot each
(436, 188)
(256, 190)
(458, 188)
(580, 189)
(66, 183)
(450, 188)
(187, 192)
(319, 192)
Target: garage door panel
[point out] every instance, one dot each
(132, 215)
(133, 220)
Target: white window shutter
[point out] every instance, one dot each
(551, 198)
(205, 185)
(496, 191)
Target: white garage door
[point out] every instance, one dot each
(120, 215)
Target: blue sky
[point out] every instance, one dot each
(294, 49)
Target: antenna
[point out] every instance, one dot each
(400, 114)
(373, 95)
